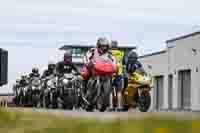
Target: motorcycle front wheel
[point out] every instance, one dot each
(103, 100)
(144, 102)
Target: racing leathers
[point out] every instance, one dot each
(91, 57)
(47, 73)
(62, 68)
(118, 81)
(32, 75)
(131, 68)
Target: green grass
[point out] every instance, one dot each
(29, 122)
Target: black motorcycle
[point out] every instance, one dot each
(66, 91)
(33, 91)
(48, 95)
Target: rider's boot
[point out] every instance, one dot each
(119, 97)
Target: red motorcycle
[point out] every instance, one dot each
(99, 83)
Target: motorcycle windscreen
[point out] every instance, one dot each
(104, 65)
(140, 71)
(104, 68)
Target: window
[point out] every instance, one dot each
(78, 52)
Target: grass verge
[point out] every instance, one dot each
(32, 122)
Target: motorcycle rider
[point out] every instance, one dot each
(66, 66)
(24, 81)
(102, 48)
(117, 82)
(132, 62)
(16, 86)
(34, 73)
(50, 70)
(131, 66)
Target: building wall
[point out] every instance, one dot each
(156, 65)
(183, 56)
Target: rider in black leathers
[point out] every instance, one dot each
(50, 70)
(66, 66)
(34, 73)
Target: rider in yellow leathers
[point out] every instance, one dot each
(131, 66)
(118, 78)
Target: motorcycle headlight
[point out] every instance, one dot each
(145, 80)
(46, 91)
(33, 87)
(65, 81)
(68, 76)
(49, 83)
(36, 82)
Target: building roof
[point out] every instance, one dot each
(65, 47)
(7, 94)
(183, 37)
(151, 54)
(70, 46)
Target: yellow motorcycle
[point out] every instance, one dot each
(137, 94)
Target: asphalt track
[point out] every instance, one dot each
(133, 114)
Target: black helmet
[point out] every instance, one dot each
(132, 56)
(51, 65)
(114, 45)
(35, 70)
(103, 45)
(67, 58)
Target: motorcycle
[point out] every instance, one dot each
(99, 84)
(48, 95)
(22, 94)
(78, 88)
(66, 98)
(34, 91)
(20, 90)
(142, 83)
(16, 90)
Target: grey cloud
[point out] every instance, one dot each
(119, 8)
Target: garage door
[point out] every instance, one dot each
(184, 88)
(159, 84)
(170, 90)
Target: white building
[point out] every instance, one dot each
(176, 74)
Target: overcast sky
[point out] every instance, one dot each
(32, 30)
